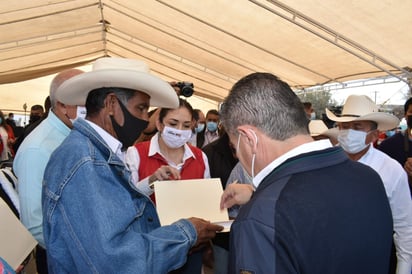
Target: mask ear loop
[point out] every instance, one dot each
(253, 155)
(254, 135)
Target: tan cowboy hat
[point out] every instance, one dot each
(362, 108)
(317, 127)
(118, 73)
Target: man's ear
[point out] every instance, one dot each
(251, 136)
(110, 103)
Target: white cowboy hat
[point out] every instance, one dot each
(317, 127)
(362, 108)
(118, 73)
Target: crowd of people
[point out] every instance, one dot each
(304, 198)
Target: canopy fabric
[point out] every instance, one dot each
(211, 43)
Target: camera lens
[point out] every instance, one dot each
(186, 89)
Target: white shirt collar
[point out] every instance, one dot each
(305, 148)
(114, 144)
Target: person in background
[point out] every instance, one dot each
(399, 146)
(10, 121)
(32, 157)
(310, 112)
(238, 175)
(7, 139)
(222, 158)
(359, 126)
(313, 210)
(210, 133)
(37, 114)
(199, 122)
(94, 219)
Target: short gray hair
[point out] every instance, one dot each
(264, 101)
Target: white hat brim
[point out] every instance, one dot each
(384, 120)
(74, 91)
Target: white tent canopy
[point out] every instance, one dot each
(211, 43)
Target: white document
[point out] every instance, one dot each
(16, 242)
(190, 198)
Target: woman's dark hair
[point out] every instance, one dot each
(3, 121)
(182, 103)
(406, 105)
(196, 116)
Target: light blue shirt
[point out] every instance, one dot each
(29, 165)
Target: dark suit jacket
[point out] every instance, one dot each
(221, 159)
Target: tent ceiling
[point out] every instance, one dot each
(211, 43)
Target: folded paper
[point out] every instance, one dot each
(16, 242)
(189, 198)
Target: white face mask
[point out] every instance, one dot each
(80, 113)
(175, 138)
(352, 141)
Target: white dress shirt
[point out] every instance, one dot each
(114, 144)
(307, 147)
(396, 185)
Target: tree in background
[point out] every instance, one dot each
(320, 100)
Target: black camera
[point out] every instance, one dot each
(185, 88)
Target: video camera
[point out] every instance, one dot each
(185, 88)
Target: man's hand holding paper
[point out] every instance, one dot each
(236, 194)
(205, 230)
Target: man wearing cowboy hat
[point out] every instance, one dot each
(95, 220)
(359, 126)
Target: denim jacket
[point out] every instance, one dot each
(95, 221)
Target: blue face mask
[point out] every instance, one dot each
(200, 127)
(211, 126)
(1, 120)
(390, 133)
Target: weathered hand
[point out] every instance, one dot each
(205, 230)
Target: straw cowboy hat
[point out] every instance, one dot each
(362, 108)
(317, 127)
(118, 73)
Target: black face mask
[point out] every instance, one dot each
(409, 121)
(131, 129)
(34, 118)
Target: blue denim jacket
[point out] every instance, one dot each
(95, 221)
